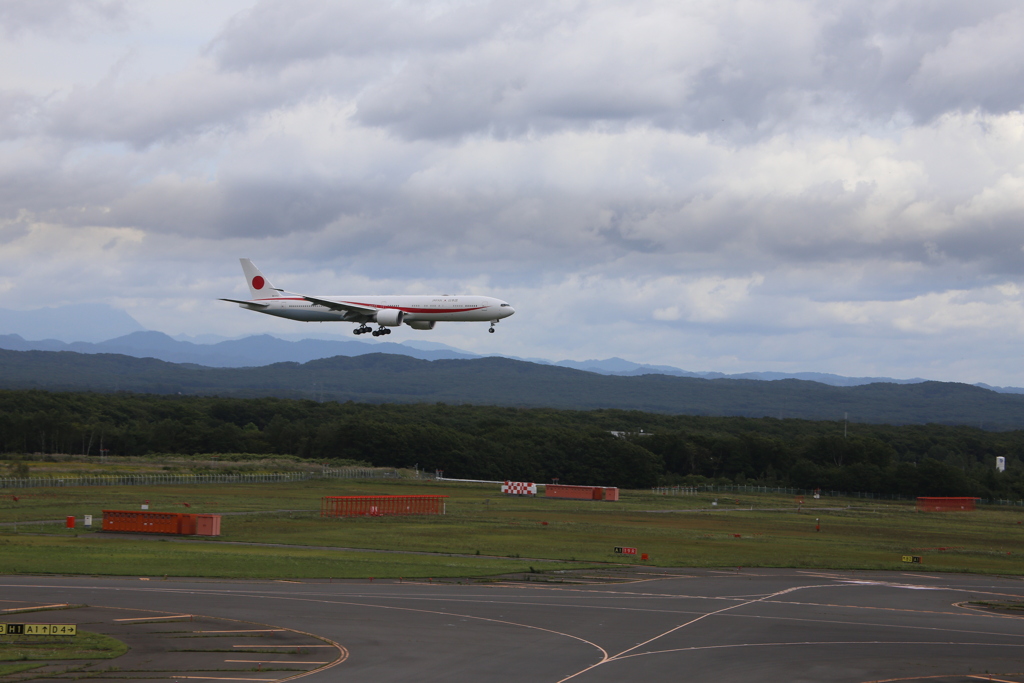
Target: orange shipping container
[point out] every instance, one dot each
(207, 525)
(577, 492)
(946, 504)
(186, 524)
(378, 506)
(581, 492)
(147, 522)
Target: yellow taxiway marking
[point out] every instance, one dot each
(218, 678)
(287, 646)
(28, 609)
(342, 650)
(269, 661)
(251, 630)
(920, 575)
(345, 652)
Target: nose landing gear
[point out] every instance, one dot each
(493, 322)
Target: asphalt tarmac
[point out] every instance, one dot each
(173, 647)
(650, 625)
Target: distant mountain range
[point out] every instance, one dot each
(387, 378)
(264, 349)
(618, 366)
(251, 351)
(98, 328)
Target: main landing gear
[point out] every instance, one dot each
(379, 332)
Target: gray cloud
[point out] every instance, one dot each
(439, 71)
(274, 35)
(19, 17)
(760, 183)
(187, 104)
(489, 67)
(254, 208)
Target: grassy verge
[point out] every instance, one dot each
(748, 530)
(6, 669)
(85, 645)
(120, 556)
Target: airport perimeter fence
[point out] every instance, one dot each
(808, 493)
(187, 479)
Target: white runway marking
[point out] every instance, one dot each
(886, 606)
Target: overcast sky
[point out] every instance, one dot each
(727, 185)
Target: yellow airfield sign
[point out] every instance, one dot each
(39, 629)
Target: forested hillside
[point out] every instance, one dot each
(379, 378)
(489, 442)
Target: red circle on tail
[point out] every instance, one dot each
(258, 282)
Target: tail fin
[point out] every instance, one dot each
(259, 286)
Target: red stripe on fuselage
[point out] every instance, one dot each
(435, 310)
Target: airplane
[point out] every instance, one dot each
(420, 312)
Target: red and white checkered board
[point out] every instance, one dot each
(519, 488)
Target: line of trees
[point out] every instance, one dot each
(485, 442)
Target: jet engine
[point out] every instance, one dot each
(421, 324)
(389, 317)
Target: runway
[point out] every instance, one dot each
(652, 625)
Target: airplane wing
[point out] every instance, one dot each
(247, 303)
(335, 306)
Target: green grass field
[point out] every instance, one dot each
(85, 645)
(159, 556)
(500, 534)
(23, 653)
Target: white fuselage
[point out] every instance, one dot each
(419, 311)
(438, 308)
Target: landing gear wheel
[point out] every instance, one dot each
(376, 333)
(491, 330)
(357, 331)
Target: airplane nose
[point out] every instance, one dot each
(509, 311)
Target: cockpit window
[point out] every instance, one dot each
(503, 305)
